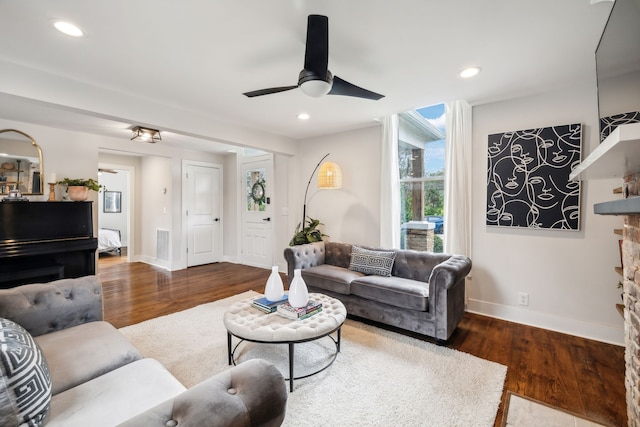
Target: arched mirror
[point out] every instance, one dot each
(20, 163)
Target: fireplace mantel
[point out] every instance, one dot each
(629, 206)
(617, 156)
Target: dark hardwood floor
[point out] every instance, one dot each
(582, 376)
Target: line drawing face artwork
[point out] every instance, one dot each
(528, 178)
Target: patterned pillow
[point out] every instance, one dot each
(25, 384)
(367, 261)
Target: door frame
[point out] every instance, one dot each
(131, 179)
(185, 204)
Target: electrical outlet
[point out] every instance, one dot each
(523, 298)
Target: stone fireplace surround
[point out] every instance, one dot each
(631, 298)
(619, 156)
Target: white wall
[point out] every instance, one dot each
(156, 207)
(351, 214)
(230, 216)
(280, 200)
(569, 276)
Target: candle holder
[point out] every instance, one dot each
(52, 192)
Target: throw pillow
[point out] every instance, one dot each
(25, 383)
(368, 261)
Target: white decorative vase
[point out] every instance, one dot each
(274, 290)
(298, 293)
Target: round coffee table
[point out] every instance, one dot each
(250, 324)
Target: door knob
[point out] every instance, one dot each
(216, 219)
(266, 219)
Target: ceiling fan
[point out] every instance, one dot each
(315, 79)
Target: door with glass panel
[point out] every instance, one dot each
(257, 215)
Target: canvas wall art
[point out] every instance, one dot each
(528, 178)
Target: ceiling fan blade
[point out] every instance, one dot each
(343, 87)
(316, 56)
(107, 170)
(269, 91)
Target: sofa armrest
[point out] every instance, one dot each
(451, 271)
(42, 308)
(446, 294)
(303, 256)
(250, 394)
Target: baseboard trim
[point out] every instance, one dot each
(154, 262)
(607, 333)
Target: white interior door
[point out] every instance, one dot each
(257, 216)
(204, 236)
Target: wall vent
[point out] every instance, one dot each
(162, 244)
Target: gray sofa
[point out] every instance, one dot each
(98, 378)
(424, 294)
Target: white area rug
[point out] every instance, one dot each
(379, 378)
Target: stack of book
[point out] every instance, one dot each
(266, 305)
(299, 313)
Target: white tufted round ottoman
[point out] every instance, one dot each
(250, 324)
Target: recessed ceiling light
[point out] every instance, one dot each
(67, 28)
(469, 72)
(303, 116)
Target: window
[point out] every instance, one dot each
(421, 149)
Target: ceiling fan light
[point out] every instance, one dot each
(315, 88)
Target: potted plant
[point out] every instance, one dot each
(78, 188)
(308, 234)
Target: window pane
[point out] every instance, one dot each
(421, 161)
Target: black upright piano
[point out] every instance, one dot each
(43, 241)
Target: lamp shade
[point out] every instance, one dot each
(330, 176)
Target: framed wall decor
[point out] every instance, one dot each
(112, 202)
(528, 178)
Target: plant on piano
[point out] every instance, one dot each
(91, 184)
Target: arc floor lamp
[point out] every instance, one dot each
(329, 178)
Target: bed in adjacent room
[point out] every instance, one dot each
(109, 240)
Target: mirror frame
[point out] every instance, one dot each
(37, 147)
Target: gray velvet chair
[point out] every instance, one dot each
(98, 378)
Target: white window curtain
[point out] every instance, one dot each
(457, 189)
(390, 185)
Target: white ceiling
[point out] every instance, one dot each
(201, 55)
